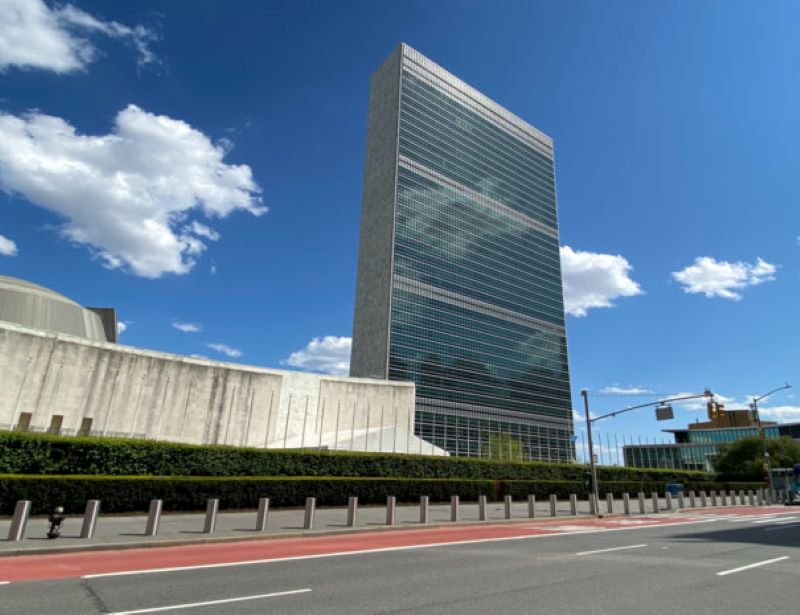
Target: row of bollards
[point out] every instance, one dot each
(761, 497)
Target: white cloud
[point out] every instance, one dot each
(127, 195)
(594, 280)
(7, 246)
(721, 278)
(187, 327)
(618, 390)
(780, 413)
(33, 35)
(121, 327)
(329, 354)
(226, 350)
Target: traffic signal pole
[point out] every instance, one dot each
(590, 420)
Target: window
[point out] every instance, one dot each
(55, 424)
(24, 423)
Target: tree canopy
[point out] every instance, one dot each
(744, 459)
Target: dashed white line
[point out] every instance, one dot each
(192, 605)
(4, 582)
(749, 566)
(611, 549)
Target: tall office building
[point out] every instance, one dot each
(459, 275)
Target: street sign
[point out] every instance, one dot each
(664, 413)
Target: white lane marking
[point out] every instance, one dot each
(611, 549)
(786, 520)
(192, 605)
(4, 582)
(293, 558)
(769, 520)
(755, 565)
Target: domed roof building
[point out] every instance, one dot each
(36, 307)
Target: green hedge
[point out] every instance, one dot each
(133, 493)
(46, 454)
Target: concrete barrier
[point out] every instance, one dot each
(212, 506)
(573, 504)
(681, 501)
(668, 500)
(391, 510)
(262, 514)
(308, 520)
(723, 498)
(352, 511)
(424, 509)
(153, 517)
(455, 510)
(751, 498)
(482, 516)
(553, 505)
(22, 510)
(90, 519)
(531, 506)
(593, 505)
(609, 502)
(713, 497)
(760, 497)
(654, 498)
(703, 499)
(626, 503)
(692, 499)
(641, 504)
(509, 503)
(741, 497)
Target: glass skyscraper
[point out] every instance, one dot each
(459, 275)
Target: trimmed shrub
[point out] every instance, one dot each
(22, 453)
(133, 493)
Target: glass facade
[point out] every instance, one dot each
(693, 448)
(476, 310)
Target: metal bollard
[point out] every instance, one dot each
(713, 497)
(760, 497)
(262, 514)
(531, 506)
(641, 503)
(212, 506)
(626, 503)
(703, 499)
(681, 502)
(424, 508)
(668, 500)
(153, 517)
(391, 510)
(455, 511)
(593, 505)
(751, 498)
(609, 502)
(481, 508)
(308, 521)
(509, 502)
(19, 521)
(553, 505)
(692, 499)
(90, 518)
(741, 497)
(573, 504)
(654, 497)
(352, 511)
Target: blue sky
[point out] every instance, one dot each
(200, 163)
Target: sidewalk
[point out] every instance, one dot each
(121, 531)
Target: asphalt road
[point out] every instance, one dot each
(735, 564)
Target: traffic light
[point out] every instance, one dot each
(715, 410)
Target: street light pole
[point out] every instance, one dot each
(593, 468)
(761, 435)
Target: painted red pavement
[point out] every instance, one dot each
(70, 565)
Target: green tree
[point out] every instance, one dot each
(502, 447)
(744, 459)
